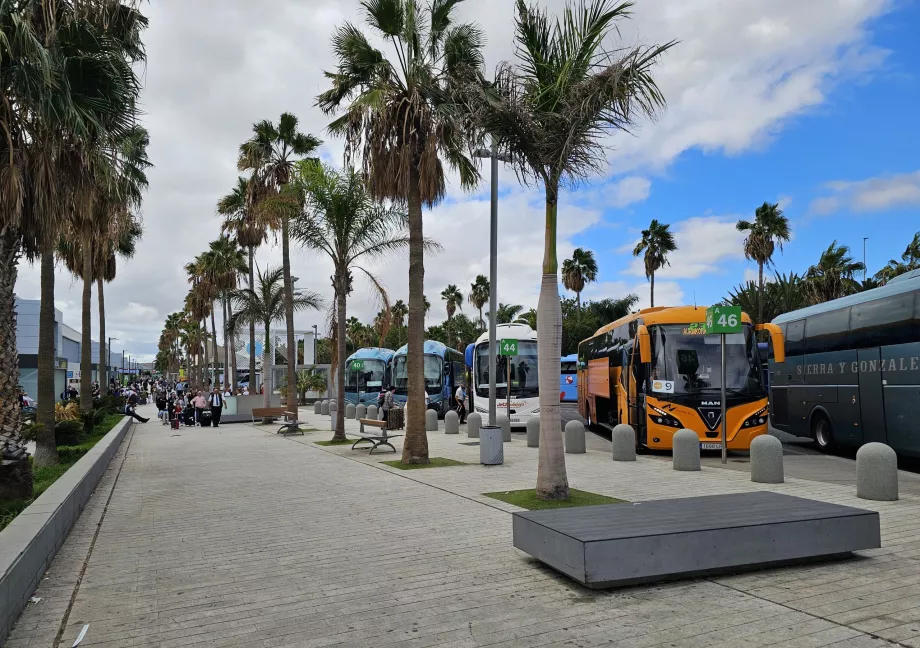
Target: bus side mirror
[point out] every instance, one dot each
(777, 339)
(645, 344)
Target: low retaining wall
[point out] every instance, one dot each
(29, 543)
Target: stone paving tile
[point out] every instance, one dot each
(238, 537)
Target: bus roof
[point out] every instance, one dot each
(513, 331)
(893, 287)
(432, 347)
(572, 357)
(371, 353)
(665, 315)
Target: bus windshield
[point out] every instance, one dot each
(368, 379)
(523, 372)
(433, 374)
(685, 361)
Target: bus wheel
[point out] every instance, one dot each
(822, 432)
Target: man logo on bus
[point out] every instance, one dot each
(568, 380)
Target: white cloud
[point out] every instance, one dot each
(739, 73)
(750, 274)
(702, 243)
(873, 194)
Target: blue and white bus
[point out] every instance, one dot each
(444, 368)
(367, 371)
(525, 391)
(568, 379)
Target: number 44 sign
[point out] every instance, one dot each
(723, 319)
(508, 347)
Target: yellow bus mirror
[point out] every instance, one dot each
(645, 344)
(777, 339)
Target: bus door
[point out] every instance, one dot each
(871, 397)
(636, 394)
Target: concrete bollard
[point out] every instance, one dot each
(686, 450)
(451, 422)
(767, 460)
(624, 443)
(533, 432)
(361, 411)
(372, 412)
(473, 423)
(431, 421)
(318, 407)
(502, 421)
(350, 410)
(877, 473)
(324, 408)
(333, 413)
(574, 437)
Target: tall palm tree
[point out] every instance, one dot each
(479, 295)
(342, 221)
(551, 114)
(453, 299)
(657, 242)
(768, 230)
(270, 155)
(910, 260)
(401, 122)
(225, 263)
(506, 313)
(834, 275)
(248, 226)
(581, 269)
(265, 305)
(398, 312)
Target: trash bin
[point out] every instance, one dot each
(491, 448)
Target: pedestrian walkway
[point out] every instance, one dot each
(239, 537)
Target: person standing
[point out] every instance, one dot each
(460, 397)
(216, 401)
(199, 403)
(388, 403)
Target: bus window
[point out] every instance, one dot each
(795, 338)
(827, 332)
(883, 321)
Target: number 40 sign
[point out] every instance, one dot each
(723, 319)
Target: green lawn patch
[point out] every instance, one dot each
(434, 462)
(527, 499)
(43, 477)
(334, 443)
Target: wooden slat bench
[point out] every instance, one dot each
(376, 440)
(291, 426)
(267, 412)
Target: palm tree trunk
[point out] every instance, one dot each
(45, 448)
(233, 353)
(415, 445)
(86, 339)
(103, 365)
(206, 364)
(578, 298)
(341, 280)
(289, 314)
(266, 370)
(552, 481)
(652, 289)
(252, 329)
(214, 347)
(760, 292)
(228, 377)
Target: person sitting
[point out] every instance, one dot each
(129, 408)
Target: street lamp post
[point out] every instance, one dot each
(493, 154)
(865, 267)
(108, 362)
(315, 335)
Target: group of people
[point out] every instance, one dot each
(177, 406)
(386, 401)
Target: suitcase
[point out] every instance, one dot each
(188, 416)
(175, 424)
(395, 419)
(204, 419)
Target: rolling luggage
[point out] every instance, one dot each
(188, 416)
(395, 418)
(175, 424)
(204, 419)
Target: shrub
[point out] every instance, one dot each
(69, 433)
(29, 430)
(68, 412)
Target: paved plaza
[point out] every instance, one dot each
(238, 537)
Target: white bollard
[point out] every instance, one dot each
(372, 412)
(431, 420)
(324, 408)
(451, 422)
(318, 407)
(624, 443)
(533, 432)
(491, 451)
(575, 437)
(350, 411)
(502, 421)
(361, 411)
(473, 423)
(333, 413)
(767, 460)
(877, 473)
(686, 450)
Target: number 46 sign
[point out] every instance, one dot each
(723, 319)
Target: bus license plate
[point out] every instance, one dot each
(710, 446)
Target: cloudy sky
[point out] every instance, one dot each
(809, 104)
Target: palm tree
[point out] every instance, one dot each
(768, 230)
(453, 299)
(398, 312)
(265, 305)
(225, 263)
(551, 114)
(401, 121)
(342, 221)
(909, 261)
(506, 313)
(248, 227)
(479, 295)
(834, 274)
(657, 242)
(581, 269)
(270, 155)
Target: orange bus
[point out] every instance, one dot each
(659, 371)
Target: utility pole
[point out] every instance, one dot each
(865, 267)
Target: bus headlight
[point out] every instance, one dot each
(661, 417)
(760, 417)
